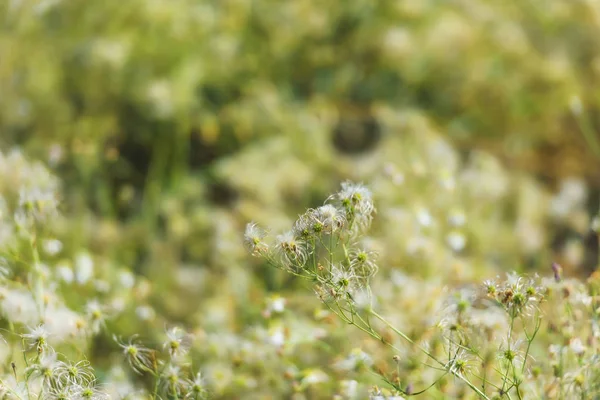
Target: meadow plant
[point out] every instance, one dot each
(481, 347)
(165, 126)
(63, 297)
(53, 309)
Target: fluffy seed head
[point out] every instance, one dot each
(254, 239)
(292, 250)
(140, 358)
(37, 338)
(177, 342)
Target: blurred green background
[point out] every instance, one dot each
(155, 88)
(129, 99)
(173, 123)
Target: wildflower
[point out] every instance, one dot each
(307, 226)
(196, 388)
(329, 218)
(516, 304)
(363, 262)
(292, 250)
(461, 302)
(324, 219)
(90, 390)
(451, 323)
(511, 352)
(60, 392)
(357, 202)
(178, 342)
(357, 196)
(519, 296)
(172, 380)
(45, 367)
(139, 358)
(96, 315)
(37, 338)
(344, 279)
(253, 239)
(460, 363)
(76, 373)
(491, 287)
(534, 293)
(514, 281)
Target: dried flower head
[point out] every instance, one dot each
(172, 380)
(90, 390)
(177, 343)
(344, 280)
(357, 202)
(254, 239)
(363, 261)
(45, 367)
(328, 218)
(140, 358)
(196, 387)
(37, 338)
(292, 250)
(80, 372)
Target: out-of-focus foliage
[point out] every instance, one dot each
(165, 126)
(181, 82)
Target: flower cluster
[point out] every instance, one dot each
(322, 247)
(170, 131)
(56, 302)
(485, 337)
(169, 369)
(517, 295)
(49, 374)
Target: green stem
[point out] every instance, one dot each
(425, 351)
(530, 340)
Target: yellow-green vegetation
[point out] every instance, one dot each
(309, 200)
